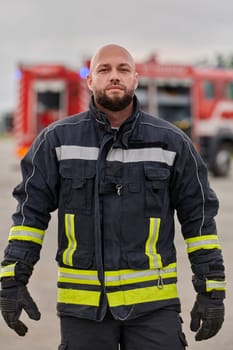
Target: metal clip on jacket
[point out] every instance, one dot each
(160, 281)
(118, 188)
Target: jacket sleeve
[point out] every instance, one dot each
(197, 205)
(37, 197)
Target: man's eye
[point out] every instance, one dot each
(102, 70)
(124, 70)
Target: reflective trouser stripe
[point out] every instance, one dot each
(215, 285)
(8, 271)
(81, 297)
(115, 278)
(142, 295)
(26, 233)
(202, 242)
(154, 258)
(72, 243)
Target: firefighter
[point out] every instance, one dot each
(116, 175)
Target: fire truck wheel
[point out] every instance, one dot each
(222, 162)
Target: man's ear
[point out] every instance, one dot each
(136, 81)
(89, 82)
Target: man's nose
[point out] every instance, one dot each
(114, 75)
(115, 81)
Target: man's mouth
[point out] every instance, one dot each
(115, 88)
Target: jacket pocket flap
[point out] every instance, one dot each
(77, 171)
(157, 174)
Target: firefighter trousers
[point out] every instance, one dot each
(158, 330)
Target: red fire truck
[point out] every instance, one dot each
(46, 93)
(197, 100)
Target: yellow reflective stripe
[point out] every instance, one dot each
(26, 233)
(115, 278)
(142, 295)
(8, 271)
(202, 242)
(215, 285)
(78, 276)
(154, 258)
(67, 257)
(124, 277)
(76, 271)
(78, 297)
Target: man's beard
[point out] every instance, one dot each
(114, 104)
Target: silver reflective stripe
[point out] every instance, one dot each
(141, 155)
(120, 276)
(215, 285)
(76, 152)
(8, 271)
(63, 274)
(71, 239)
(132, 275)
(202, 242)
(21, 233)
(151, 244)
(66, 275)
(27, 234)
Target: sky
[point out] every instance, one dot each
(36, 31)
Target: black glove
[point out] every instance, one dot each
(207, 317)
(12, 301)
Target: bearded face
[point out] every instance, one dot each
(113, 79)
(114, 103)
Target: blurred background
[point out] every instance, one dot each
(184, 54)
(69, 31)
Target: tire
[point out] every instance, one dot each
(222, 162)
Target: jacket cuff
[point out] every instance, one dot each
(14, 274)
(215, 288)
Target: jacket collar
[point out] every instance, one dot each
(126, 130)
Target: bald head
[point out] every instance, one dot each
(108, 52)
(112, 81)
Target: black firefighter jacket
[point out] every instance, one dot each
(116, 192)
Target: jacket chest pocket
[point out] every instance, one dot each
(77, 187)
(156, 183)
(112, 182)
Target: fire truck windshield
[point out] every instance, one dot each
(169, 100)
(177, 115)
(48, 100)
(49, 97)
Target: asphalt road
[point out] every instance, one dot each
(44, 334)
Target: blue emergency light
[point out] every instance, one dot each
(83, 72)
